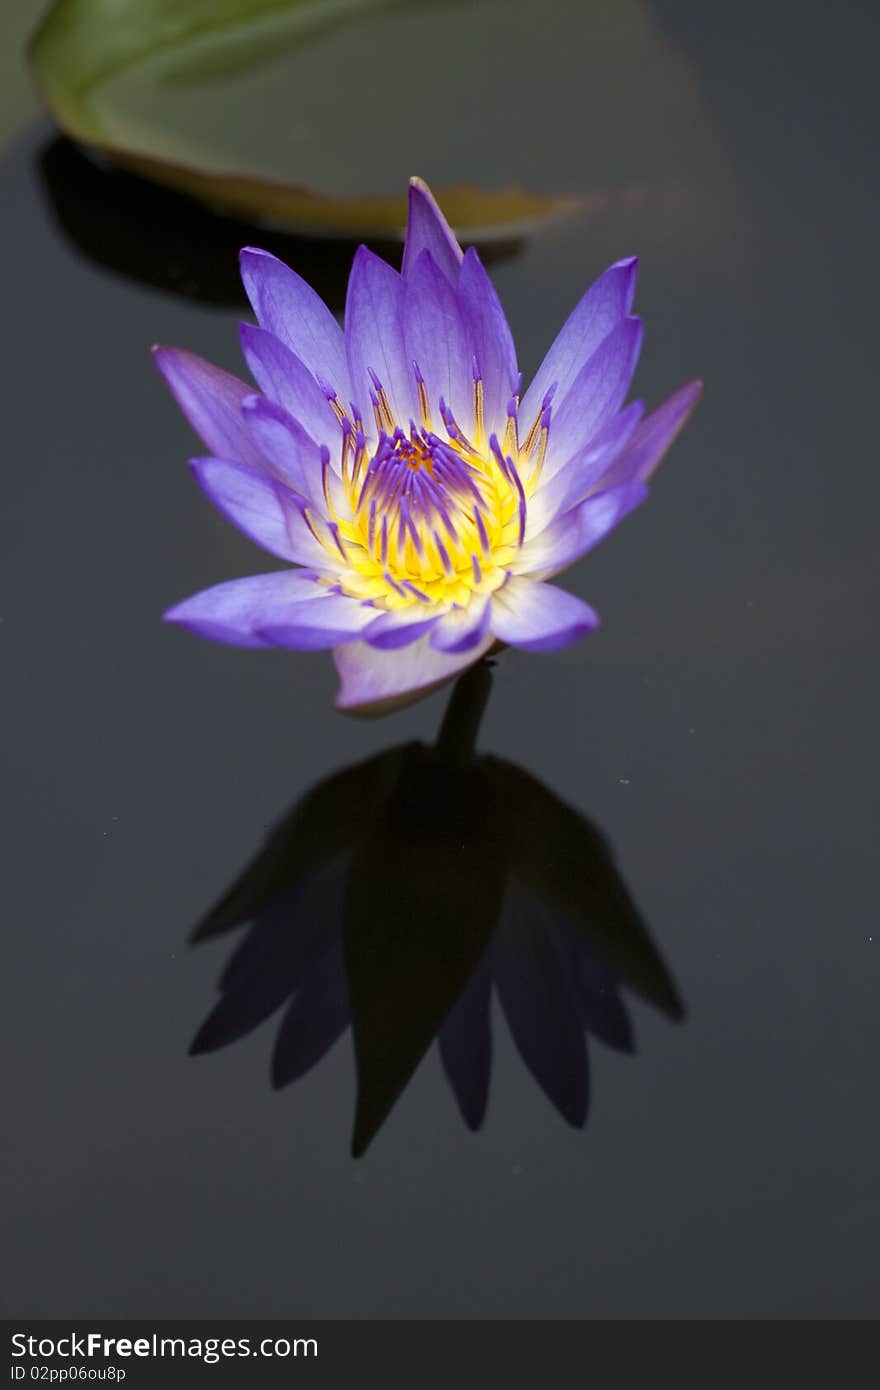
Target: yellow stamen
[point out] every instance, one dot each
(386, 416)
(542, 449)
(532, 436)
(479, 419)
(424, 407)
(338, 409)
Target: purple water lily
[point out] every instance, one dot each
(424, 499)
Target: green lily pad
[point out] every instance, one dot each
(207, 97)
(313, 114)
(18, 101)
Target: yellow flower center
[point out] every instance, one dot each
(425, 518)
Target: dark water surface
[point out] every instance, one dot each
(719, 731)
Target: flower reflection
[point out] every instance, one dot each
(400, 893)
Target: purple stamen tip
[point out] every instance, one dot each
(329, 391)
(374, 379)
(517, 384)
(444, 555)
(475, 368)
(512, 408)
(548, 395)
(449, 420)
(496, 450)
(418, 375)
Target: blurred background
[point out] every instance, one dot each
(718, 732)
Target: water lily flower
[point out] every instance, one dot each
(423, 498)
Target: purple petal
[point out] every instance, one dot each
(287, 381)
(558, 492)
(436, 338)
(653, 438)
(284, 444)
(400, 627)
(211, 401)
(491, 339)
(374, 337)
(291, 310)
(597, 392)
(428, 230)
(232, 612)
(570, 536)
(601, 309)
(462, 628)
(373, 680)
(466, 1047)
(264, 509)
(317, 624)
(539, 617)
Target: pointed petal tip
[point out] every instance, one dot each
(362, 257)
(251, 261)
(163, 361)
(427, 226)
(419, 191)
(166, 356)
(628, 269)
(688, 397)
(170, 362)
(177, 616)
